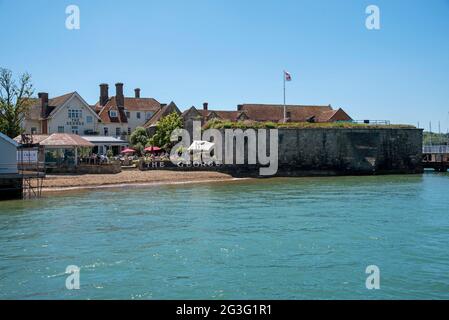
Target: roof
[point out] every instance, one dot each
(297, 113)
(36, 138)
(162, 112)
(224, 115)
(220, 114)
(104, 139)
(65, 140)
(8, 139)
(105, 116)
(34, 112)
(131, 104)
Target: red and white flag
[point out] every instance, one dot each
(288, 76)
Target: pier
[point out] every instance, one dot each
(436, 157)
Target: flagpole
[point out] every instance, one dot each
(285, 111)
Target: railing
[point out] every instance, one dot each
(436, 149)
(373, 122)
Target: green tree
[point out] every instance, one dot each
(139, 139)
(435, 138)
(164, 129)
(139, 136)
(14, 102)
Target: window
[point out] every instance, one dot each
(148, 115)
(128, 114)
(75, 114)
(89, 119)
(113, 114)
(106, 131)
(33, 130)
(129, 131)
(138, 115)
(75, 129)
(61, 129)
(117, 131)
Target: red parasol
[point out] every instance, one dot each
(152, 149)
(128, 150)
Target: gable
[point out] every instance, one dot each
(192, 113)
(75, 101)
(340, 115)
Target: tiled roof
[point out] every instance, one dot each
(34, 112)
(220, 114)
(37, 138)
(226, 115)
(131, 104)
(65, 140)
(105, 115)
(58, 140)
(297, 113)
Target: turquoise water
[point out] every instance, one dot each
(305, 238)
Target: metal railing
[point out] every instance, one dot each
(373, 122)
(436, 149)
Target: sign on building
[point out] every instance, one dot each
(27, 156)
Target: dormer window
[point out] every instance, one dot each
(113, 114)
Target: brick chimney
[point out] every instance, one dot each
(44, 103)
(137, 92)
(205, 106)
(44, 106)
(119, 97)
(104, 94)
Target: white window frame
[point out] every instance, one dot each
(75, 114)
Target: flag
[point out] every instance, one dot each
(288, 76)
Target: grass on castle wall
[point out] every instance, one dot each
(219, 124)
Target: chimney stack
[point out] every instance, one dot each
(104, 94)
(205, 106)
(44, 103)
(137, 92)
(119, 97)
(44, 106)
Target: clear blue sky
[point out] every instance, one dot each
(228, 52)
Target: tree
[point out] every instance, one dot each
(14, 102)
(139, 139)
(164, 128)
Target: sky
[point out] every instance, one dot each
(229, 52)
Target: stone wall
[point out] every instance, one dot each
(362, 151)
(325, 152)
(349, 151)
